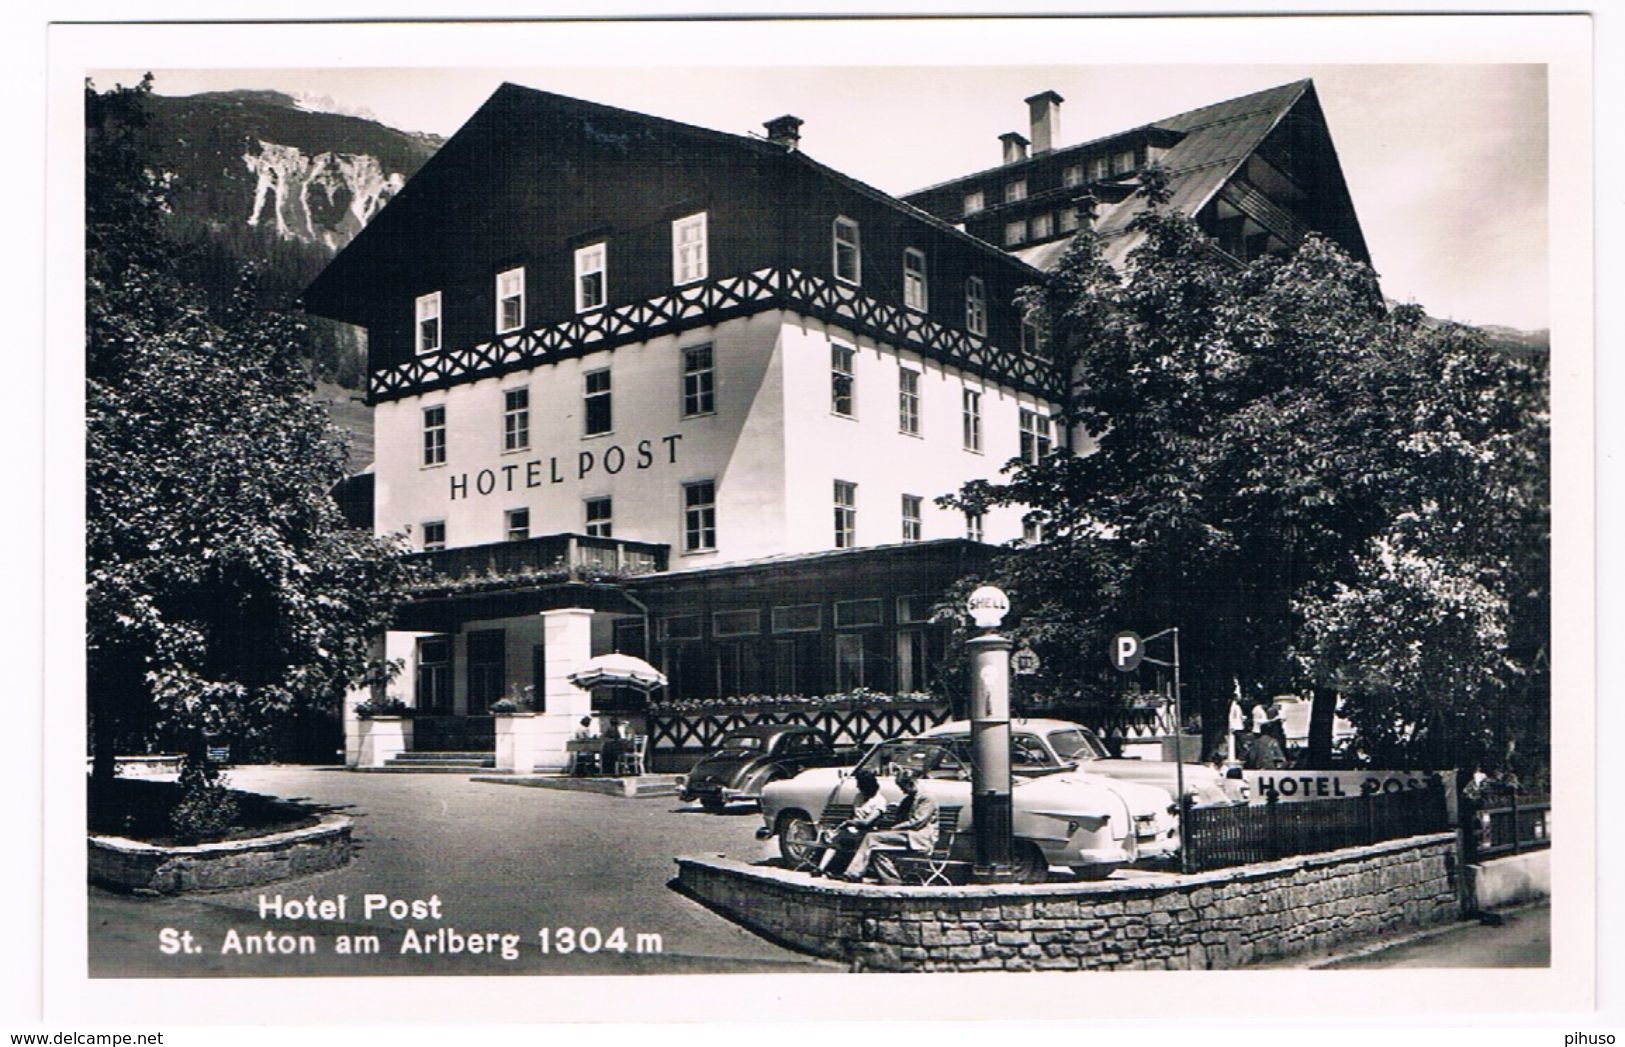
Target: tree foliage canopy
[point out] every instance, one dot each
(1318, 489)
(224, 587)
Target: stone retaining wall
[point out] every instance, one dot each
(1221, 919)
(131, 865)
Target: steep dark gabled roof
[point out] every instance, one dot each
(1215, 141)
(445, 175)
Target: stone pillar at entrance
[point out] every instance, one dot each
(393, 645)
(567, 638)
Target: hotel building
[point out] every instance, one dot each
(645, 387)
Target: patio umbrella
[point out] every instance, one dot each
(618, 670)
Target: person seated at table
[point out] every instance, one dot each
(614, 746)
(842, 841)
(915, 829)
(583, 760)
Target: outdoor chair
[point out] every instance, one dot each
(926, 870)
(631, 760)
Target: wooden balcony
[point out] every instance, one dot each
(553, 557)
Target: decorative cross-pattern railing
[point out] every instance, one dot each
(853, 726)
(1216, 837)
(712, 302)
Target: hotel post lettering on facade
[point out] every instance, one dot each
(539, 473)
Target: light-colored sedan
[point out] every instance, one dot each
(1039, 746)
(1086, 822)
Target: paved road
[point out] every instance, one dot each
(501, 858)
(1523, 939)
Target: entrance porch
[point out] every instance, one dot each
(504, 623)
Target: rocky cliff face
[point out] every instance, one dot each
(321, 199)
(262, 160)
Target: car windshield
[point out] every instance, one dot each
(741, 741)
(1076, 743)
(928, 757)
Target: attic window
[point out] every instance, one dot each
(1123, 162)
(590, 277)
(914, 279)
(1016, 190)
(1072, 176)
(1099, 168)
(428, 312)
(973, 202)
(510, 300)
(848, 259)
(688, 252)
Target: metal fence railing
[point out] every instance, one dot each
(1218, 837)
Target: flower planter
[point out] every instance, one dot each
(382, 739)
(517, 736)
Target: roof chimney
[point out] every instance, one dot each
(1045, 112)
(785, 131)
(1015, 146)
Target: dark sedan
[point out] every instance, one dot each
(750, 757)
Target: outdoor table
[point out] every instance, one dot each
(577, 747)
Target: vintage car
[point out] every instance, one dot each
(750, 757)
(1039, 746)
(1086, 822)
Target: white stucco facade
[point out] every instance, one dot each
(773, 446)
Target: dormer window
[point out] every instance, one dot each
(975, 306)
(688, 249)
(510, 300)
(1072, 176)
(914, 279)
(428, 312)
(1032, 338)
(1099, 168)
(591, 283)
(848, 256)
(974, 202)
(1016, 190)
(1123, 162)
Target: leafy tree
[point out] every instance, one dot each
(224, 586)
(1271, 453)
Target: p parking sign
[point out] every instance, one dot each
(1126, 651)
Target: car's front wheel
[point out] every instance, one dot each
(1028, 863)
(798, 836)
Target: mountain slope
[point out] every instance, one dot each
(255, 178)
